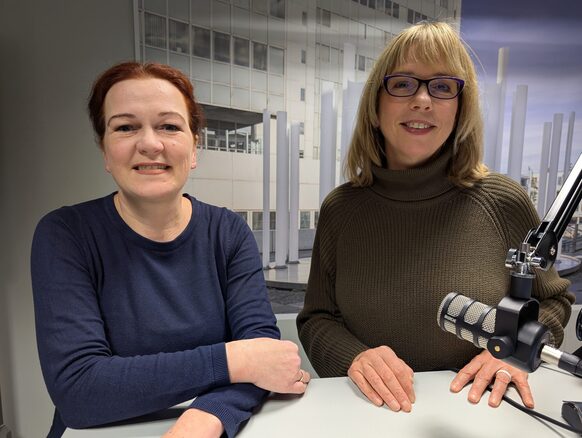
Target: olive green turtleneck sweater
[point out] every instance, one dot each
(385, 256)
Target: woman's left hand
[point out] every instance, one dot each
(485, 369)
(194, 423)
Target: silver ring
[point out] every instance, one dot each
(504, 372)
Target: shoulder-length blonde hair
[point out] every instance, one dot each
(431, 43)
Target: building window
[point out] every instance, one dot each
(257, 220)
(155, 30)
(302, 130)
(241, 51)
(304, 220)
(395, 10)
(221, 46)
(259, 56)
(304, 18)
(315, 219)
(364, 2)
(323, 17)
(445, 4)
(273, 219)
(276, 60)
(303, 56)
(302, 95)
(278, 8)
(324, 52)
(179, 37)
(200, 42)
(361, 62)
(417, 17)
(372, 4)
(388, 7)
(410, 18)
(243, 214)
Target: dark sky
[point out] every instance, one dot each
(545, 53)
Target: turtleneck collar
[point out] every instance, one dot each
(425, 182)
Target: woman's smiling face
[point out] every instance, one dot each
(415, 127)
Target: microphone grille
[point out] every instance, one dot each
(478, 316)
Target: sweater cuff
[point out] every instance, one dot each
(220, 364)
(220, 411)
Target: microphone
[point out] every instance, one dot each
(467, 318)
(475, 322)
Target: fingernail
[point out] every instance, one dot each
(406, 407)
(394, 406)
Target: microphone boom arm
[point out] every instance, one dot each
(518, 337)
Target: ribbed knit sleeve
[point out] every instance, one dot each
(517, 216)
(330, 346)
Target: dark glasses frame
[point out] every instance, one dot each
(460, 83)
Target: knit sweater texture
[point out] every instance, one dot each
(386, 255)
(127, 326)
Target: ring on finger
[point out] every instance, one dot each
(507, 373)
(300, 379)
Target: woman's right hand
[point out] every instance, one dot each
(384, 378)
(267, 363)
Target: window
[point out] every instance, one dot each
(257, 220)
(395, 10)
(155, 30)
(241, 51)
(303, 56)
(243, 214)
(361, 63)
(304, 18)
(302, 94)
(445, 4)
(304, 220)
(179, 37)
(221, 47)
(316, 219)
(260, 56)
(323, 17)
(372, 4)
(273, 219)
(417, 17)
(410, 16)
(276, 60)
(388, 6)
(326, 18)
(302, 130)
(200, 42)
(324, 52)
(278, 8)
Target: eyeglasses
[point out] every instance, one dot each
(442, 87)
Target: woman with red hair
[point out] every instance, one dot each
(147, 297)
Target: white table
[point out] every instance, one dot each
(336, 408)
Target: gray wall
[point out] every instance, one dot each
(50, 53)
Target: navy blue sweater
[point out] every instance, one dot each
(128, 326)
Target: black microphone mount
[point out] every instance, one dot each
(519, 338)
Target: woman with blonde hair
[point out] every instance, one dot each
(420, 217)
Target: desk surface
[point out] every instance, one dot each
(336, 408)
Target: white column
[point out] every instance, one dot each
(327, 144)
(491, 109)
(503, 59)
(543, 177)
(570, 135)
(554, 158)
(517, 133)
(350, 103)
(266, 188)
(282, 221)
(294, 195)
